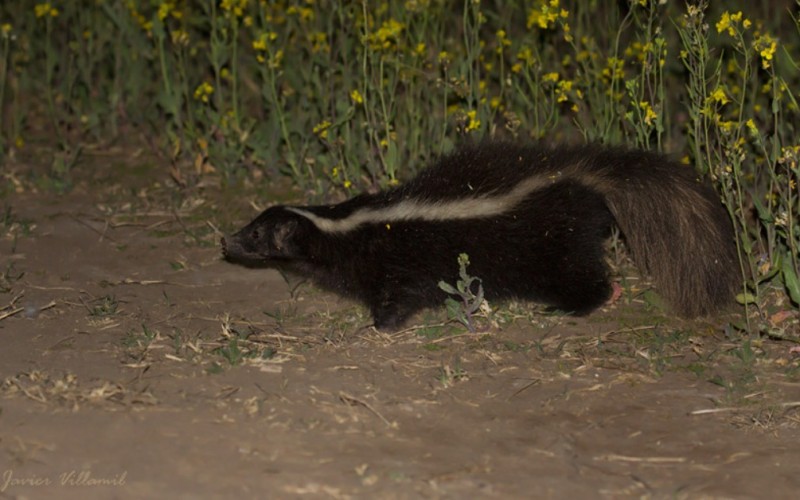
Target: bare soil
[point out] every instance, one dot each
(135, 363)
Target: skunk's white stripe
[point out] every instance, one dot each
(470, 208)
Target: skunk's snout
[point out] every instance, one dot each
(232, 248)
(224, 245)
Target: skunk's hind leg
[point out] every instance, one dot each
(587, 298)
(584, 287)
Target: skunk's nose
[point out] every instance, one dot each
(224, 246)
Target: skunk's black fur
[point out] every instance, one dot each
(532, 220)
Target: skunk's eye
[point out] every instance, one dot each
(256, 234)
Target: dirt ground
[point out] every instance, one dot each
(135, 363)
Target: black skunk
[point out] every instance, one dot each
(532, 220)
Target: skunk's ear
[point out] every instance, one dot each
(283, 237)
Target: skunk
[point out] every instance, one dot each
(532, 220)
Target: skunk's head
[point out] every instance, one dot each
(276, 234)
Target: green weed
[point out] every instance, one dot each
(464, 301)
(448, 375)
(9, 276)
(102, 307)
(236, 346)
(141, 339)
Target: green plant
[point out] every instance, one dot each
(466, 300)
(104, 306)
(141, 340)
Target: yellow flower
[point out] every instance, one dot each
(728, 22)
(766, 47)
(386, 37)
(163, 10)
(502, 41)
(236, 7)
(260, 43)
(305, 13)
(719, 96)
(751, 125)
(649, 113)
(45, 9)
(545, 14)
(275, 62)
(525, 55)
(356, 97)
(563, 87)
(614, 70)
(5, 29)
(319, 42)
(473, 123)
(567, 33)
(550, 77)
(347, 184)
(724, 22)
(203, 92)
(321, 129)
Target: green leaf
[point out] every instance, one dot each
(746, 298)
(764, 212)
(448, 288)
(455, 311)
(790, 279)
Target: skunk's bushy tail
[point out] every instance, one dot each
(674, 225)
